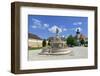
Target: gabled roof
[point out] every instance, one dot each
(33, 36)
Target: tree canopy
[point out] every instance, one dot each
(71, 41)
(44, 43)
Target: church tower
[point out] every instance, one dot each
(78, 33)
(78, 36)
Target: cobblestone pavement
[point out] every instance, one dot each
(77, 52)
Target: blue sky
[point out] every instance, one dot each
(44, 25)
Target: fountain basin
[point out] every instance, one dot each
(55, 52)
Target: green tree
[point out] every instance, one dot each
(71, 41)
(82, 41)
(49, 42)
(86, 42)
(44, 43)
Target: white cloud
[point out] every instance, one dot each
(46, 25)
(34, 26)
(63, 36)
(53, 29)
(36, 23)
(39, 24)
(36, 20)
(80, 29)
(64, 29)
(77, 23)
(75, 29)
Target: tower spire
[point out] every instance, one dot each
(77, 31)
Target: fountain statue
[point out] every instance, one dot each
(57, 46)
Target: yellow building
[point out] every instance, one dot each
(34, 41)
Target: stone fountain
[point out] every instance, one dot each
(57, 46)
